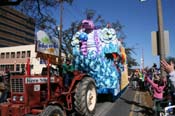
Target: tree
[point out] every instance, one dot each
(41, 11)
(98, 20)
(130, 60)
(67, 37)
(10, 2)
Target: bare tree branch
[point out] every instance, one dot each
(39, 9)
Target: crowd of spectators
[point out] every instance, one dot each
(160, 88)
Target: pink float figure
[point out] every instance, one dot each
(88, 25)
(96, 39)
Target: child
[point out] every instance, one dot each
(158, 86)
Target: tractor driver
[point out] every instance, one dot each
(67, 72)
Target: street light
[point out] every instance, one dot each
(160, 39)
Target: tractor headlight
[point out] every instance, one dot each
(21, 98)
(14, 98)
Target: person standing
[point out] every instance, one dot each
(158, 86)
(135, 79)
(67, 72)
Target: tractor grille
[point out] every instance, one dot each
(17, 85)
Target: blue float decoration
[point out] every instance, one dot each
(90, 50)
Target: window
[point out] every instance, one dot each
(12, 54)
(28, 54)
(2, 55)
(17, 67)
(18, 55)
(7, 55)
(11, 67)
(23, 68)
(23, 54)
(2, 67)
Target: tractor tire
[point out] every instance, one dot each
(31, 115)
(85, 97)
(52, 111)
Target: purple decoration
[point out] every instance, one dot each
(83, 39)
(96, 41)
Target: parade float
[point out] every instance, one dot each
(99, 53)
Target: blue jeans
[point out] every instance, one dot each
(3, 97)
(66, 80)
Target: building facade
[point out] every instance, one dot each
(15, 28)
(15, 59)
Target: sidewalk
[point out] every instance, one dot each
(143, 104)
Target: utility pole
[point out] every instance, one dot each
(160, 39)
(160, 35)
(60, 32)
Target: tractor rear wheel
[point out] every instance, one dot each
(52, 111)
(85, 97)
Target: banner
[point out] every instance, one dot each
(45, 44)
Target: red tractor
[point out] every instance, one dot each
(45, 95)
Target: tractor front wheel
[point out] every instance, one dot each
(52, 111)
(85, 97)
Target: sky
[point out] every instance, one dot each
(139, 20)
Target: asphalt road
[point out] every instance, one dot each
(121, 107)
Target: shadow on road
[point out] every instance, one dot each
(104, 98)
(146, 111)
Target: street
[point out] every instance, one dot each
(130, 103)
